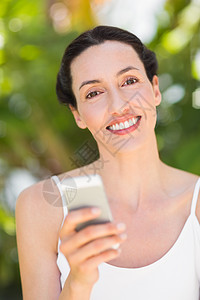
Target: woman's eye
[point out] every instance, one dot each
(130, 81)
(92, 94)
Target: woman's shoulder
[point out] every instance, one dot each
(179, 179)
(182, 184)
(42, 200)
(38, 197)
(36, 213)
(39, 210)
(45, 194)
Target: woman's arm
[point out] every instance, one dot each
(37, 225)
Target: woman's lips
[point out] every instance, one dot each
(126, 130)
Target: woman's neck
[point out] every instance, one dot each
(135, 176)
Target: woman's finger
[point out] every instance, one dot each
(78, 216)
(93, 262)
(95, 248)
(89, 234)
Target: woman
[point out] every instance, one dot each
(108, 79)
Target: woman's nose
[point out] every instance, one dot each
(118, 103)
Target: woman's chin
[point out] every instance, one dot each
(122, 146)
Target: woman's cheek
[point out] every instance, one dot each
(146, 101)
(96, 119)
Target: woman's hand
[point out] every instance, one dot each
(86, 249)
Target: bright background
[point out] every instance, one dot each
(38, 137)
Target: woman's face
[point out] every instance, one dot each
(115, 99)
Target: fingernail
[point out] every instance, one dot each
(95, 211)
(123, 236)
(121, 226)
(116, 246)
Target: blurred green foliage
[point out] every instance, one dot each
(38, 134)
(9, 271)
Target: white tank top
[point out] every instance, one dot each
(175, 276)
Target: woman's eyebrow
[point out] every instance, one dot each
(89, 82)
(118, 74)
(126, 70)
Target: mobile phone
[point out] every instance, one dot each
(87, 191)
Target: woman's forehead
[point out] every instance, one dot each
(110, 55)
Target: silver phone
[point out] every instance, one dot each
(86, 191)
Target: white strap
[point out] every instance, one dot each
(195, 197)
(58, 183)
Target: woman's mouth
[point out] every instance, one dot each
(125, 127)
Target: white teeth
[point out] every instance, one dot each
(117, 126)
(130, 122)
(134, 120)
(125, 124)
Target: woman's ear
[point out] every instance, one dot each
(156, 89)
(80, 123)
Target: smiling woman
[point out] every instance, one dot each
(108, 78)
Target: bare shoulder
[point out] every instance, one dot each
(39, 208)
(183, 183)
(179, 178)
(40, 205)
